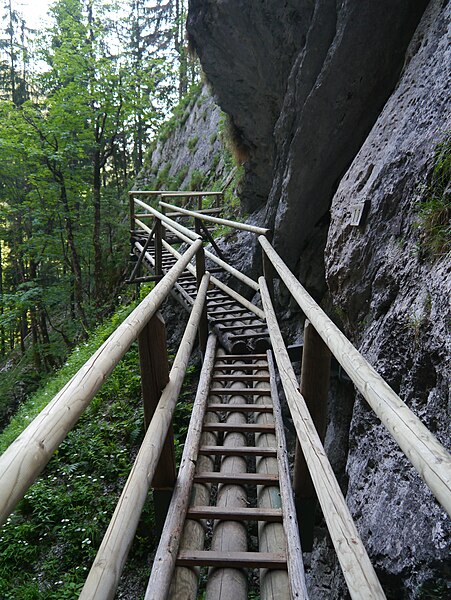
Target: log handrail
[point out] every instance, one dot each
(106, 570)
(190, 234)
(358, 571)
(217, 221)
(235, 272)
(222, 286)
(419, 445)
(27, 456)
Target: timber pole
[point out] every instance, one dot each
(315, 374)
(200, 272)
(153, 359)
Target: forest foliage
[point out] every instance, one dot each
(79, 103)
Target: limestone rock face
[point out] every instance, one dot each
(191, 148)
(246, 49)
(394, 297)
(303, 82)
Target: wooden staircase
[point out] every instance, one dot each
(240, 525)
(239, 329)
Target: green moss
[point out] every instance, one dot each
(192, 143)
(213, 138)
(434, 208)
(197, 179)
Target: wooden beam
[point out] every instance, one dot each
(274, 584)
(237, 450)
(229, 391)
(238, 427)
(217, 221)
(248, 408)
(237, 478)
(222, 286)
(235, 514)
(179, 228)
(22, 462)
(420, 446)
(107, 567)
(153, 359)
(233, 560)
(293, 549)
(315, 375)
(357, 569)
(164, 561)
(203, 323)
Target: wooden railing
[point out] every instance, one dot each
(420, 446)
(25, 458)
(28, 455)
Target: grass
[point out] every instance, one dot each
(49, 542)
(434, 209)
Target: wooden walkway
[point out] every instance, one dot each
(229, 516)
(238, 327)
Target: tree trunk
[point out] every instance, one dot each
(75, 259)
(98, 272)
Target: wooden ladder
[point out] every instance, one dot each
(238, 329)
(241, 516)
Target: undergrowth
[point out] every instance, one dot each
(48, 544)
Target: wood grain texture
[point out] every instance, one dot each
(164, 561)
(105, 572)
(210, 219)
(358, 571)
(22, 462)
(294, 550)
(222, 286)
(420, 446)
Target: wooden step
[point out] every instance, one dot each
(246, 367)
(246, 357)
(230, 311)
(246, 336)
(244, 326)
(237, 478)
(240, 428)
(235, 318)
(221, 513)
(240, 377)
(237, 451)
(240, 391)
(258, 408)
(232, 560)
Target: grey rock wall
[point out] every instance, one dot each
(395, 299)
(246, 49)
(193, 146)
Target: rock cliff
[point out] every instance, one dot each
(339, 102)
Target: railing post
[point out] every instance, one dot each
(315, 373)
(158, 248)
(200, 272)
(131, 202)
(153, 358)
(268, 272)
(199, 203)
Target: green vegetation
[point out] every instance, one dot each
(180, 113)
(79, 104)
(192, 143)
(435, 206)
(50, 541)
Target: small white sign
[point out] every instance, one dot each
(359, 212)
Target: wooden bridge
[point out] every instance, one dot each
(232, 507)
